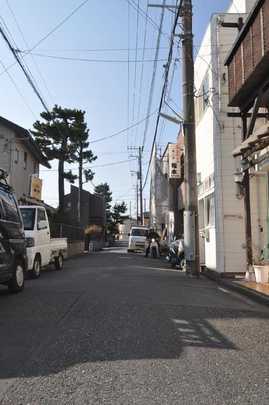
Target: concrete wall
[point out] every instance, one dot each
(75, 248)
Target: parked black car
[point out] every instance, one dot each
(13, 259)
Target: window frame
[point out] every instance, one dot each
(41, 210)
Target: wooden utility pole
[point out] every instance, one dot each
(137, 202)
(140, 185)
(191, 227)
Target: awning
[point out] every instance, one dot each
(257, 141)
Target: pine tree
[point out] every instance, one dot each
(59, 136)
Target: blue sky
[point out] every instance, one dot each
(97, 31)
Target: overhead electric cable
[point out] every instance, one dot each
(63, 21)
(145, 15)
(123, 130)
(69, 58)
(152, 84)
(128, 74)
(18, 91)
(97, 49)
(27, 46)
(135, 66)
(142, 71)
(163, 90)
(119, 162)
(24, 69)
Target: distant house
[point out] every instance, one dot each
(125, 227)
(92, 208)
(20, 157)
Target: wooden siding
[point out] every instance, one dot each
(249, 54)
(257, 40)
(265, 17)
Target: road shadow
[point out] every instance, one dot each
(119, 316)
(104, 332)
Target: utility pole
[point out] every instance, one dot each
(130, 209)
(191, 227)
(140, 185)
(137, 204)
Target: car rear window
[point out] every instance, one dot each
(9, 206)
(139, 232)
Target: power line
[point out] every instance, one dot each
(166, 104)
(92, 167)
(18, 90)
(146, 16)
(123, 130)
(26, 44)
(63, 21)
(164, 89)
(69, 58)
(24, 68)
(97, 49)
(135, 67)
(152, 84)
(128, 74)
(142, 71)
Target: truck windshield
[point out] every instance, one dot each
(139, 232)
(28, 217)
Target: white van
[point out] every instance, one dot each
(137, 238)
(41, 249)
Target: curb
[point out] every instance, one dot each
(254, 295)
(234, 286)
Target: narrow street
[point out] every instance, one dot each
(116, 328)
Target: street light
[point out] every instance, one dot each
(171, 118)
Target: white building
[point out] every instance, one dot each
(221, 213)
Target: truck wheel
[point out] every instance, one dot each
(35, 272)
(16, 284)
(59, 262)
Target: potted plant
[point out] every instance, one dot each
(261, 270)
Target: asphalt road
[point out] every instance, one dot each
(116, 328)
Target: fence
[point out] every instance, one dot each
(71, 232)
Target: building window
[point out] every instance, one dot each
(36, 171)
(210, 210)
(17, 155)
(25, 160)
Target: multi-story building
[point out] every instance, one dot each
(166, 192)
(248, 92)
(221, 213)
(20, 157)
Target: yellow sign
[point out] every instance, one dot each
(36, 188)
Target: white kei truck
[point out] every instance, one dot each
(42, 250)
